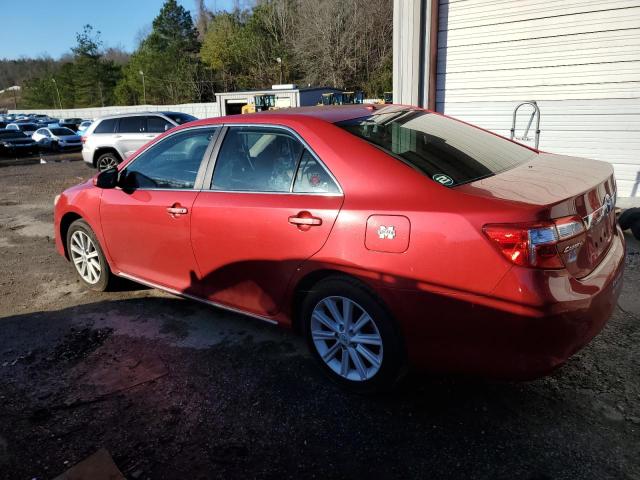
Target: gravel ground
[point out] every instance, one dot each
(173, 389)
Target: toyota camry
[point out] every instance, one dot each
(388, 236)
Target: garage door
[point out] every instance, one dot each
(580, 60)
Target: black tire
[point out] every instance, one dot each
(392, 366)
(635, 229)
(106, 278)
(105, 161)
(628, 218)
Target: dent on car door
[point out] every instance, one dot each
(269, 205)
(146, 221)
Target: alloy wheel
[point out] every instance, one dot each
(85, 257)
(346, 338)
(106, 163)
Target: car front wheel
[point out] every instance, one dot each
(87, 257)
(352, 336)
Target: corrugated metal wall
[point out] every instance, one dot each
(580, 60)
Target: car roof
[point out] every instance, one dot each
(131, 114)
(328, 113)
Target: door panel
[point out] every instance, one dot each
(247, 249)
(146, 221)
(146, 240)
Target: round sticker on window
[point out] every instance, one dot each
(445, 180)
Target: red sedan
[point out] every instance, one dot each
(387, 235)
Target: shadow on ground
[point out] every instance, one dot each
(176, 390)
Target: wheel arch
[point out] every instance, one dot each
(65, 222)
(306, 283)
(102, 150)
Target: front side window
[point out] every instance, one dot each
(446, 150)
(172, 163)
(132, 125)
(256, 159)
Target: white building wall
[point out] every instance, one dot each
(580, 60)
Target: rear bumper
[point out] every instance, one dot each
(548, 317)
(87, 155)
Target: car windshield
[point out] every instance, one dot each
(62, 131)
(12, 134)
(446, 150)
(180, 118)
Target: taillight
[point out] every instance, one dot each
(83, 139)
(536, 245)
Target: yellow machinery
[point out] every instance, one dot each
(260, 103)
(342, 98)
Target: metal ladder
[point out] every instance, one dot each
(534, 114)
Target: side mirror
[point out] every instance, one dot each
(107, 178)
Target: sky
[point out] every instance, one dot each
(44, 27)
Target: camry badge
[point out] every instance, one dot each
(386, 232)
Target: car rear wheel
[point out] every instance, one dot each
(87, 257)
(107, 161)
(351, 335)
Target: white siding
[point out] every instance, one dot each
(580, 60)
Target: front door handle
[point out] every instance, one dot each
(304, 220)
(176, 210)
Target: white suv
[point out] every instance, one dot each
(111, 139)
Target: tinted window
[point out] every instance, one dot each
(106, 126)
(131, 125)
(312, 177)
(259, 159)
(180, 118)
(171, 163)
(12, 134)
(446, 150)
(28, 127)
(158, 125)
(62, 131)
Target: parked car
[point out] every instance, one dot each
(57, 139)
(83, 126)
(386, 235)
(111, 139)
(24, 127)
(72, 123)
(14, 143)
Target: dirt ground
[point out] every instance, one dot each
(174, 389)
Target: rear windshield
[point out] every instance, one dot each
(446, 150)
(180, 118)
(62, 131)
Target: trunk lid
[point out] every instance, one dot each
(560, 187)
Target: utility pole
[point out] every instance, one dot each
(279, 60)
(15, 98)
(58, 92)
(144, 89)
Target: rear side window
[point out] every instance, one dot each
(158, 124)
(132, 125)
(106, 126)
(256, 159)
(312, 177)
(446, 150)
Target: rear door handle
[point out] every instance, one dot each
(304, 220)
